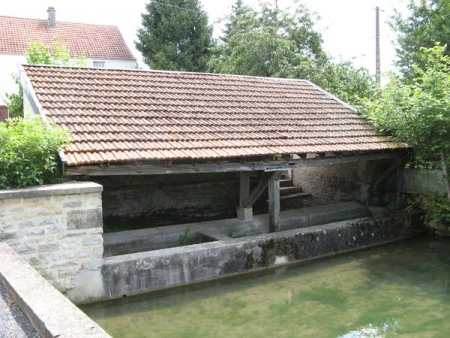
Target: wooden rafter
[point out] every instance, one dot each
(161, 167)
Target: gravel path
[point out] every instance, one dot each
(13, 323)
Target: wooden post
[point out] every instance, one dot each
(244, 191)
(274, 202)
(399, 183)
(244, 212)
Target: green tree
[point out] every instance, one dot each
(283, 43)
(39, 54)
(237, 10)
(346, 81)
(175, 35)
(270, 42)
(417, 111)
(426, 24)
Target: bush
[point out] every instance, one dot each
(28, 152)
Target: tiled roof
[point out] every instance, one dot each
(127, 115)
(95, 41)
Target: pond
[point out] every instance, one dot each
(398, 290)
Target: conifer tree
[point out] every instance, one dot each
(175, 35)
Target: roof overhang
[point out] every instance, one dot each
(195, 167)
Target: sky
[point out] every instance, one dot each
(348, 27)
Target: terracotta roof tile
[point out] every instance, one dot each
(127, 115)
(94, 41)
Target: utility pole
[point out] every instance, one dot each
(377, 47)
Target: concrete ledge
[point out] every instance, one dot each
(52, 314)
(141, 272)
(133, 241)
(52, 190)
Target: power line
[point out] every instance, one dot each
(167, 5)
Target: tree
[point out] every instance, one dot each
(347, 82)
(237, 10)
(270, 42)
(283, 43)
(426, 25)
(418, 111)
(175, 35)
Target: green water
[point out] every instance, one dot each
(400, 290)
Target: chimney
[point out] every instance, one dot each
(51, 17)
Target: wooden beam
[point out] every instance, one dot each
(274, 202)
(387, 173)
(257, 192)
(161, 168)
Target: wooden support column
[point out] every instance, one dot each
(384, 177)
(399, 183)
(244, 212)
(274, 202)
(244, 190)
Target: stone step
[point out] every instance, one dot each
(296, 195)
(285, 182)
(290, 190)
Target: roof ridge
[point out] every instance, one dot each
(174, 72)
(59, 21)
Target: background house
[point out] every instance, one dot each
(102, 45)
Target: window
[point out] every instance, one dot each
(99, 64)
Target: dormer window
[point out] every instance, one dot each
(99, 64)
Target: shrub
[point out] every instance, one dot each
(28, 152)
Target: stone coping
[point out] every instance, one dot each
(69, 188)
(52, 314)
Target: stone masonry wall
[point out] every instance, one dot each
(57, 229)
(158, 200)
(343, 182)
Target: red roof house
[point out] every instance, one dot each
(102, 45)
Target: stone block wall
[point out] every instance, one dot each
(158, 200)
(343, 182)
(57, 229)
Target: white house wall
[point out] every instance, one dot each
(117, 64)
(8, 66)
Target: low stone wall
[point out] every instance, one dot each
(423, 181)
(50, 313)
(58, 230)
(145, 271)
